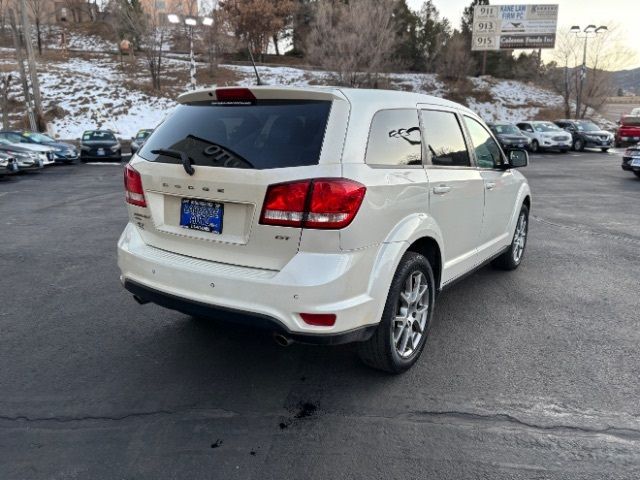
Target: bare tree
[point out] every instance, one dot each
(38, 9)
(215, 40)
(606, 53)
(3, 12)
(354, 40)
(456, 60)
(256, 22)
(148, 31)
(5, 80)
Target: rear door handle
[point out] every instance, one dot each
(490, 185)
(441, 189)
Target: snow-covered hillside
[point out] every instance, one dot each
(94, 90)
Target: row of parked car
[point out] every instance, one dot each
(561, 135)
(24, 151)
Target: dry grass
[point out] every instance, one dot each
(550, 113)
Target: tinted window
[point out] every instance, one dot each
(525, 127)
(506, 129)
(97, 136)
(394, 138)
(260, 134)
(488, 153)
(11, 137)
(444, 138)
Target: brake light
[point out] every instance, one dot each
(323, 203)
(319, 319)
(234, 95)
(284, 204)
(133, 187)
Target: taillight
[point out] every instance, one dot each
(133, 187)
(323, 203)
(284, 204)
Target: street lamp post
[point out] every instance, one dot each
(588, 32)
(190, 22)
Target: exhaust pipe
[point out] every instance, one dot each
(282, 340)
(141, 301)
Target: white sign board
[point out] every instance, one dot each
(505, 27)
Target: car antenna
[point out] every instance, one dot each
(255, 69)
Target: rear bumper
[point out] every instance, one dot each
(309, 283)
(263, 322)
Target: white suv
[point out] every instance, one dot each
(326, 215)
(546, 136)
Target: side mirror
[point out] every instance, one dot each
(518, 158)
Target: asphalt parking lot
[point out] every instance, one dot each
(528, 374)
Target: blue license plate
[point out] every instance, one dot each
(201, 215)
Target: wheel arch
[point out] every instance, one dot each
(429, 248)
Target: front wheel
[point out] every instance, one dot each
(406, 320)
(511, 259)
(578, 145)
(535, 146)
(604, 150)
(637, 174)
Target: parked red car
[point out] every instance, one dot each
(629, 131)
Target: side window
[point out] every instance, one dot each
(445, 141)
(395, 138)
(488, 153)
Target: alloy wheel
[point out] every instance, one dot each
(412, 312)
(520, 238)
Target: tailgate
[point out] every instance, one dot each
(237, 149)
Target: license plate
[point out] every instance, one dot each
(201, 215)
(520, 145)
(635, 162)
(101, 151)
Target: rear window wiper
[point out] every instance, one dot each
(187, 161)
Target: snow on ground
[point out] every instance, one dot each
(96, 92)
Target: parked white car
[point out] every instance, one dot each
(326, 215)
(44, 153)
(546, 136)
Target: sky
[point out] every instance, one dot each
(624, 13)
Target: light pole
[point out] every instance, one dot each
(190, 22)
(588, 32)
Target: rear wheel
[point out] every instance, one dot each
(511, 259)
(406, 320)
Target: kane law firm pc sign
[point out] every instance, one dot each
(505, 27)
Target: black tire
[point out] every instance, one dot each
(535, 146)
(379, 351)
(604, 150)
(564, 150)
(578, 145)
(637, 174)
(508, 260)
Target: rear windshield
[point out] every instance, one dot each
(98, 135)
(546, 127)
(142, 134)
(262, 134)
(632, 121)
(505, 129)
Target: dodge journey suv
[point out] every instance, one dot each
(326, 215)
